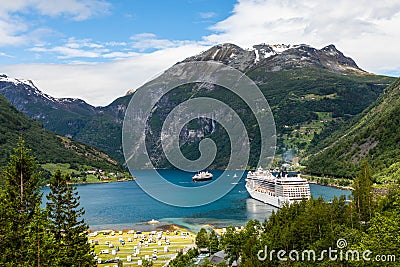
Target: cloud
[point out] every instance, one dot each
(120, 55)
(146, 41)
(2, 54)
(81, 43)
(68, 52)
(73, 48)
(207, 15)
(75, 9)
(100, 83)
(9, 29)
(365, 29)
(14, 30)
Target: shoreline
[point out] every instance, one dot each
(100, 182)
(103, 182)
(147, 228)
(333, 185)
(190, 226)
(133, 179)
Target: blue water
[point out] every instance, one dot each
(125, 205)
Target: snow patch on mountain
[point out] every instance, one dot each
(27, 84)
(33, 91)
(278, 57)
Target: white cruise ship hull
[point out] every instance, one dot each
(276, 190)
(268, 199)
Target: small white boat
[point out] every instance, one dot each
(153, 221)
(235, 176)
(202, 176)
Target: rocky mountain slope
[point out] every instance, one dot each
(280, 57)
(373, 136)
(307, 89)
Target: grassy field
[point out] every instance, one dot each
(111, 242)
(81, 175)
(63, 167)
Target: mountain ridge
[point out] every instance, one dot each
(299, 93)
(278, 57)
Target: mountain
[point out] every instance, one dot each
(69, 117)
(307, 89)
(373, 135)
(272, 58)
(46, 146)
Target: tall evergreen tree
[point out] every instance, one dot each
(208, 240)
(41, 249)
(213, 242)
(362, 193)
(20, 210)
(66, 224)
(202, 239)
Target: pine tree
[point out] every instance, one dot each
(20, 210)
(213, 242)
(66, 224)
(56, 205)
(363, 201)
(202, 239)
(41, 249)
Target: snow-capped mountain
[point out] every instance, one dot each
(280, 57)
(26, 85)
(23, 94)
(299, 82)
(70, 117)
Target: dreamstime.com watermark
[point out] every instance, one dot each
(332, 254)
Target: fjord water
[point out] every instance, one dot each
(124, 205)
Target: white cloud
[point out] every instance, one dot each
(16, 31)
(145, 41)
(100, 83)
(9, 30)
(75, 43)
(207, 15)
(113, 43)
(120, 55)
(73, 48)
(76, 9)
(2, 54)
(365, 30)
(86, 48)
(68, 52)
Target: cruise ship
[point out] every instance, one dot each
(276, 189)
(202, 176)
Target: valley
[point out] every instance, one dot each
(311, 92)
(199, 133)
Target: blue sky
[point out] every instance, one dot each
(125, 27)
(97, 50)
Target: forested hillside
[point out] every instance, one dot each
(47, 146)
(373, 135)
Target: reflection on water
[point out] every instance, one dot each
(257, 210)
